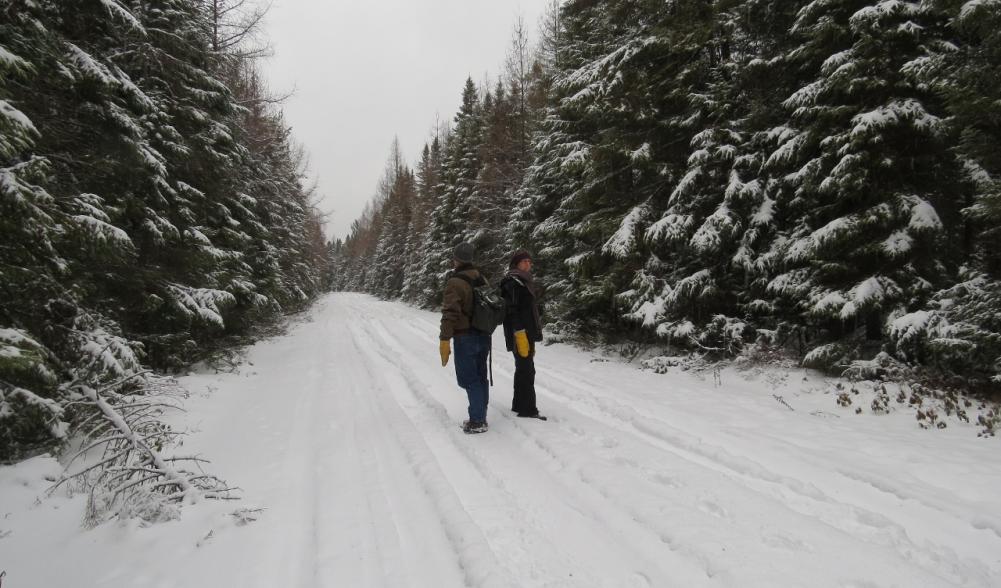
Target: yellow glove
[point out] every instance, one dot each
(445, 351)
(521, 342)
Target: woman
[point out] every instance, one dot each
(522, 330)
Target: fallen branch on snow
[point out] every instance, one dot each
(132, 476)
(783, 401)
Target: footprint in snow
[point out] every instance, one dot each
(665, 479)
(624, 461)
(608, 442)
(710, 507)
(780, 541)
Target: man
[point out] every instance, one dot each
(471, 346)
(522, 330)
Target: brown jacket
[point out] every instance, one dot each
(457, 302)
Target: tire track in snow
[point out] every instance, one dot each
(297, 563)
(369, 554)
(805, 499)
(710, 570)
(682, 569)
(663, 533)
(479, 564)
(715, 460)
(690, 486)
(377, 526)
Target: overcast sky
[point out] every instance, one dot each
(366, 70)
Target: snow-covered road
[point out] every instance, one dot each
(344, 433)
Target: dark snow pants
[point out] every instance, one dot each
(524, 383)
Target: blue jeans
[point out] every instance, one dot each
(471, 372)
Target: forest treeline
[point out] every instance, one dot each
(152, 207)
(817, 177)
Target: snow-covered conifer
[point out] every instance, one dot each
(864, 174)
(134, 229)
(417, 285)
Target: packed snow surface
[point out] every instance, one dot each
(343, 436)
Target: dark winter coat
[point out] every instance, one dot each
(522, 296)
(457, 302)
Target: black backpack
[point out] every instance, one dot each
(489, 307)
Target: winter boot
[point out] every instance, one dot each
(472, 427)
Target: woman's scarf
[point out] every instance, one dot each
(529, 283)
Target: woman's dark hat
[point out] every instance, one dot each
(518, 257)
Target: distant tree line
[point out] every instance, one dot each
(152, 203)
(819, 176)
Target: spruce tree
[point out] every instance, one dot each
(616, 135)
(135, 229)
(870, 183)
(417, 285)
(959, 330)
(389, 260)
(450, 220)
(701, 282)
(499, 177)
(56, 230)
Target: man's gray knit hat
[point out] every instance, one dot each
(464, 252)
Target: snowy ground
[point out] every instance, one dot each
(344, 434)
